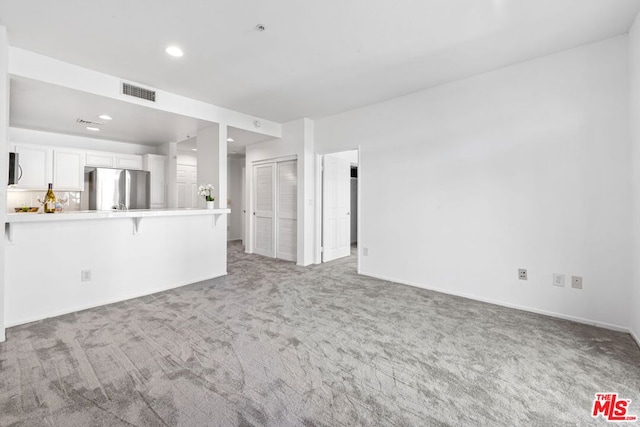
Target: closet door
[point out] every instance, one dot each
(287, 210)
(264, 207)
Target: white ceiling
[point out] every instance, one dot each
(315, 58)
(43, 106)
(236, 148)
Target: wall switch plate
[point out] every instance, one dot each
(558, 279)
(365, 251)
(85, 275)
(576, 282)
(522, 273)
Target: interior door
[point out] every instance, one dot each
(264, 207)
(336, 208)
(287, 211)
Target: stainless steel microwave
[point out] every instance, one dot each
(15, 172)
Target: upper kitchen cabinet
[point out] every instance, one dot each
(68, 170)
(102, 159)
(128, 161)
(156, 165)
(35, 165)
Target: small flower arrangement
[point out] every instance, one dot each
(206, 191)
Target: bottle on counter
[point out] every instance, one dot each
(50, 200)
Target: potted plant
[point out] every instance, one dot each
(206, 191)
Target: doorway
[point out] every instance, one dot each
(340, 202)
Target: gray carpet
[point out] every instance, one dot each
(273, 344)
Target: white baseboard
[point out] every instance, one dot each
(107, 302)
(635, 337)
(3, 337)
(508, 305)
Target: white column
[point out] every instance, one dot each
(222, 169)
(4, 173)
(306, 196)
(212, 162)
(208, 160)
(170, 149)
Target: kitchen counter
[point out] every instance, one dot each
(133, 213)
(69, 261)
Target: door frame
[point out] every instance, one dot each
(319, 193)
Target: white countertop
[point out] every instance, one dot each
(133, 213)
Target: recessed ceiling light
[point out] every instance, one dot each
(230, 139)
(105, 117)
(194, 149)
(174, 51)
(95, 129)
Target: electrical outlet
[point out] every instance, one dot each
(558, 279)
(522, 273)
(576, 282)
(85, 275)
(365, 251)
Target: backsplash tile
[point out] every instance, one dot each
(20, 198)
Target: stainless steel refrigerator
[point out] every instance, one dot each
(113, 189)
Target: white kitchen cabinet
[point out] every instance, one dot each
(128, 161)
(35, 163)
(68, 170)
(103, 159)
(156, 165)
(99, 159)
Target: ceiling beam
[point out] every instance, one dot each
(34, 66)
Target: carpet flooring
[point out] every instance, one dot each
(273, 344)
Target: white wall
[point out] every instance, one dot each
(297, 140)
(4, 149)
(234, 192)
(350, 155)
(187, 159)
(634, 80)
(523, 167)
(29, 136)
(44, 280)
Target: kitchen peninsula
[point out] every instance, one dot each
(65, 262)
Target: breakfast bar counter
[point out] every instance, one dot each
(64, 262)
(132, 213)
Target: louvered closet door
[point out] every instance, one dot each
(264, 207)
(287, 209)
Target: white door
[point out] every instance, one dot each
(287, 210)
(264, 207)
(187, 186)
(336, 208)
(182, 194)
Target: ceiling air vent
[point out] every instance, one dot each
(138, 92)
(88, 122)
